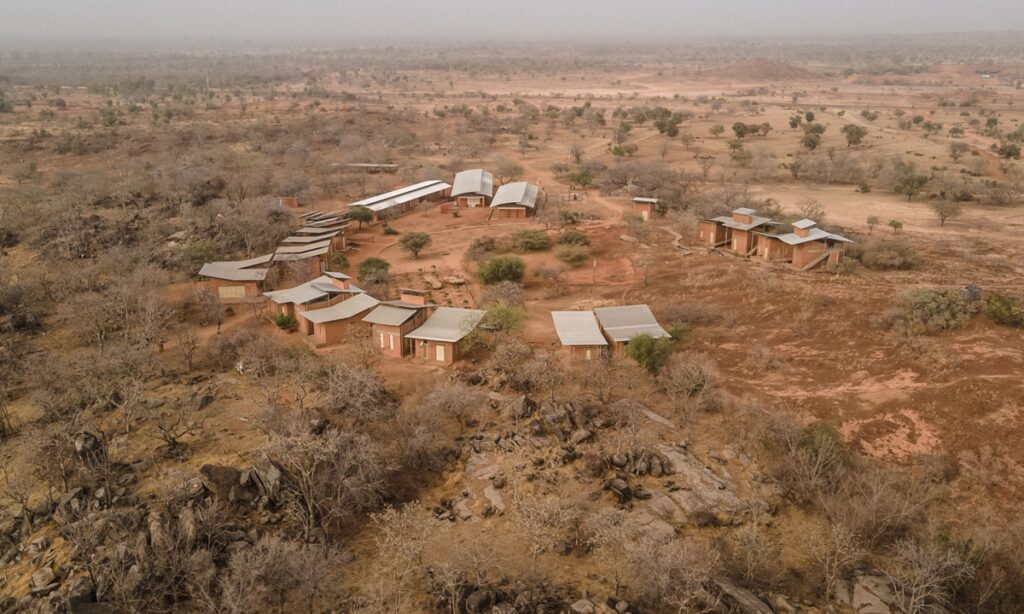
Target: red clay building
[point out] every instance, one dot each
(473, 188)
(620, 324)
(580, 334)
(806, 247)
(514, 201)
(438, 339)
(739, 233)
(324, 291)
(645, 208)
(332, 325)
(236, 281)
(391, 321)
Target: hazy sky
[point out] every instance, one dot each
(483, 19)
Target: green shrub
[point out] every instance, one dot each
(573, 255)
(373, 268)
(337, 261)
(531, 240)
(573, 237)
(648, 352)
(388, 230)
(1005, 310)
(504, 318)
(930, 311)
(285, 322)
(502, 268)
(415, 242)
(679, 330)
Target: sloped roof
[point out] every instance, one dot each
(298, 249)
(289, 257)
(310, 238)
(390, 315)
(815, 234)
(476, 181)
(745, 211)
(755, 221)
(303, 293)
(448, 324)
(624, 323)
(237, 270)
(344, 310)
(804, 224)
(642, 199)
(520, 193)
(401, 196)
(315, 230)
(577, 328)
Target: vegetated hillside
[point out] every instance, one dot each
(842, 439)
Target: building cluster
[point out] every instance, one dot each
(745, 233)
(587, 335)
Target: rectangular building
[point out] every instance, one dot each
(580, 334)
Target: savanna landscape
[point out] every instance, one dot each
(840, 438)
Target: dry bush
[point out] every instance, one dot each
(927, 312)
(503, 293)
(355, 392)
(881, 503)
(328, 477)
(926, 573)
(885, 255)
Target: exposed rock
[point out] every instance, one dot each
(494, 497)
(583, 606)
(499, 482)
(781, 605)
(621, 489)
(89, 448)
(739, 598)
(461, 509)
(871, 595)
(700, 491)
(267, 477)
(479, 601)
(204, 400)
(219, 479)
(579, 436)
(520, 407)
(79, 591)
(43, 577)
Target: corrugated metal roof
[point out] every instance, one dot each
(754, 223)
(310, 238)
(520, 193)
(389, 315)
(402, 195)
(745, 211)
(342, 311)
(336, 275)
(642, 199)
(476, 181)
(624, 323)
(315, 230)
(804, 224)
(577, 328)
(237, 270)
(298, 249)
(312, 290)
(815, 234)
(448, 324)
(286, 257)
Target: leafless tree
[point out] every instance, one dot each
(174, 424)
(926, 573)
(328, 477)
(401, 538)
(836, 550)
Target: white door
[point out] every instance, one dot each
(392, 341)
(439, 353)
(643, 215)
(382, 341)
(588, 353)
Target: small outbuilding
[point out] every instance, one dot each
(645, 208)
(236, 281)
(620, 324)
(515, 200)
(473, 188)
(332, 325)
(438, 339)
(580, 334)
(391, 322)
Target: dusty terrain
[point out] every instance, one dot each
(806, 346)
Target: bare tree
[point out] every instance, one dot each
(401, 538)
(836, 550)
(174, 424)
(328, 477)
(926, 573)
